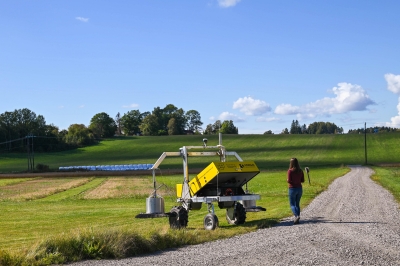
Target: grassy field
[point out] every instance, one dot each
(268, 151)
(41, 211)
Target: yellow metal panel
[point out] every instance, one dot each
(215, 168)
(179, 190)
(236, 167)
(203, 178)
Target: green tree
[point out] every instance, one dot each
(228, 127)
(49, 140)
(193, 119)
(131, 121)
(172, 127)
(102, 125)
(118, 124)
(180, 121)
(150, 126)
(213, 128)
(163, 116)
(7, 129)
(216, 128)
(323, 128)
(208, 130)
(304, 129)
(17, 125)
(285, 131)
(79, 135)
(171, 111)
(295, 127)
(268, 132)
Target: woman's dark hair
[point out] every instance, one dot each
(294, 165)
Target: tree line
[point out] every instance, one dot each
(313, 128)
(382, 129)
(22, 126)
(328, 128)
(19, 127)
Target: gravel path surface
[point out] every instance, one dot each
(354, 222)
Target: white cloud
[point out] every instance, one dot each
(82, 19)
(393, 82)
(250, 106)
(267, 119)
(133, 105)
(395, 121)
(229, 116)
(348, 98)
(286, 109)
(228, 3)
(82, 106)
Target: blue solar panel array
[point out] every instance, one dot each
(121, 167)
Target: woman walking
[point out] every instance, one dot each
(295, 177)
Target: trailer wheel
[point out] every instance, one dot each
(236, 215)
(178, 218)
(210, 221)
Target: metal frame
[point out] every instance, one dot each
(184, 153)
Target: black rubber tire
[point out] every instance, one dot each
(210, 221)
(179, 217)
(239, 214)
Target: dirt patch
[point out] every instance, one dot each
(39, 188)
(121, 187)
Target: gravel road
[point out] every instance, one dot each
(354, 222)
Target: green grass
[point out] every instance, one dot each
(268, 151)
(389, 178)
(74, 192)
(31, 223)
(6, 182)
(63, 226)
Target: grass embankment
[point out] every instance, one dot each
(78, 218)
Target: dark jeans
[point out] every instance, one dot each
(294, 199)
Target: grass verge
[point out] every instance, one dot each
(389, 178)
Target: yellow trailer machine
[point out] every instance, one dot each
(219, 183)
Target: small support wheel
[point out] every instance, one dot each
(210, 221)
(178, 218)
(236, 215)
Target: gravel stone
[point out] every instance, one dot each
(354, 222)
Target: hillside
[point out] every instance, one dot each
(268, 151)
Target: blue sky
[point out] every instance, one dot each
(259, 63)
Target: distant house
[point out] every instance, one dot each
(188, 132)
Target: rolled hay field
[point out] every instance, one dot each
(41, 208)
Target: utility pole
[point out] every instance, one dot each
(365, 142)
(33, 154)
(29, 146)
(28, 153)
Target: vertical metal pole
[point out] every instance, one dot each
(33, 155)
(365, 141)
(222, 154)
(154, 183)
(27, 152)
(185, 187)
